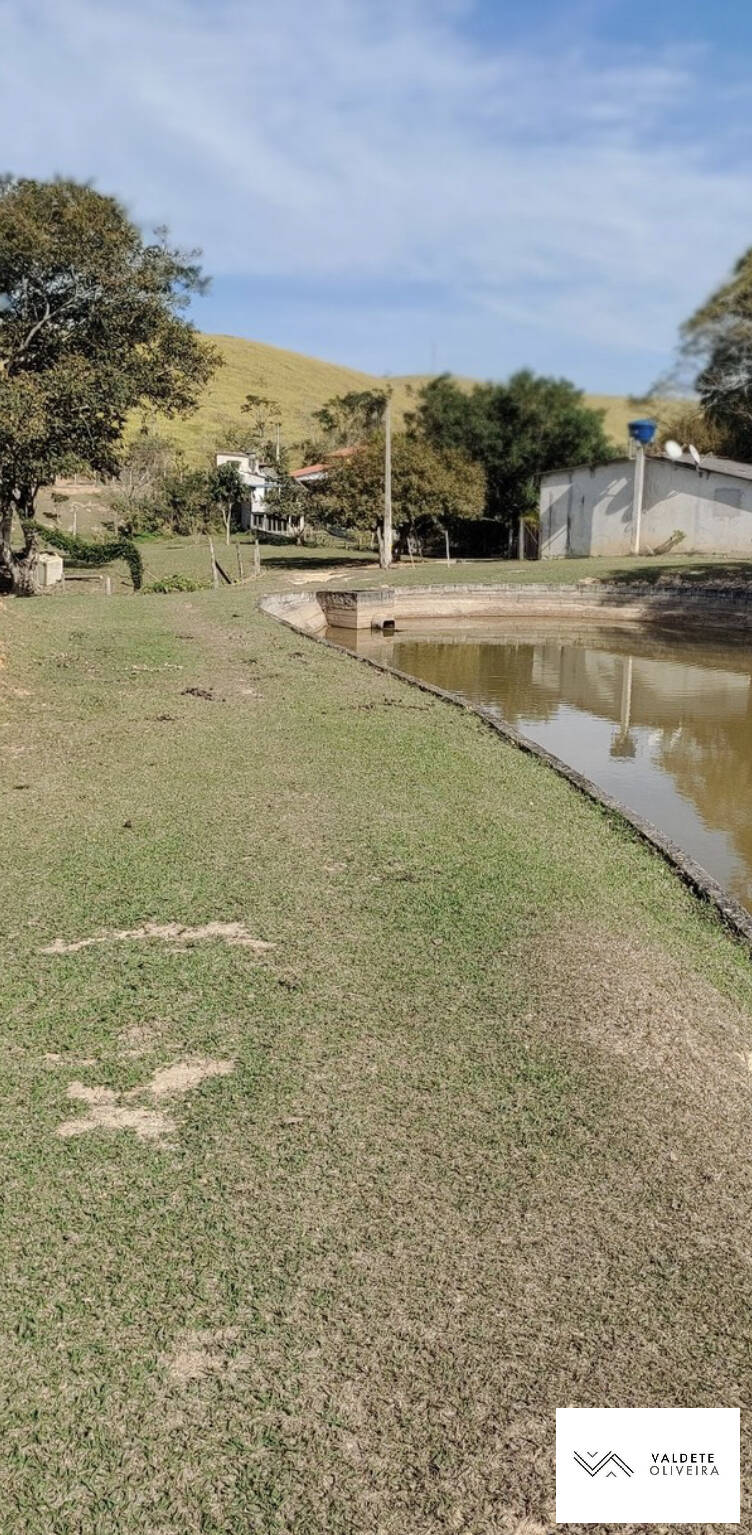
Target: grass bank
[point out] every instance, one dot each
(314, 1237)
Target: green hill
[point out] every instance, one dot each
(301, 384)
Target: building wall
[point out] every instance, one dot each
(586, 511)
(589, 511)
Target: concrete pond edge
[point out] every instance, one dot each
(733, 915)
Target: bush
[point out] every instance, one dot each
(81, 552)
(174, 583)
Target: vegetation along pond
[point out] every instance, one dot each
(660, 719)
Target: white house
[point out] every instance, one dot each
(255, 514)
(589, 509)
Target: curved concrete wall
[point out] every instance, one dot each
(628, 602)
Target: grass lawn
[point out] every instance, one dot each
(286, 565)
(313, 1238)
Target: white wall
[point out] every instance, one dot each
(698, 503)
(589, 511)
(586, 511)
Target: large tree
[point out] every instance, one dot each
(430, 489)
(515, 431)
(347, 419)
(715, 359)
(91, 327)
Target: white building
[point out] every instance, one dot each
(256, 515)
(589, 510)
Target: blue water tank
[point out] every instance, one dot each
(643, 431)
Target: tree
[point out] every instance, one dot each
(266, 420)
(430, 489)
(715, 358)
(226, 491)
(685, 422)
(91, 327)
(146, 463)
(349, 419)
(514, 431)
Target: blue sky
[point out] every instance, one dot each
(411, 184)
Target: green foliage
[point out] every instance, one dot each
(352, 418)
(429, 488)
(685, 422)
(514, 431)
(91, 327)
(265, 417)
(716, 349)
(174, 583)
(83, 552)
(184, 500)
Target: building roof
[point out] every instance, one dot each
(715, 465)
(709, 462)
(298, 474)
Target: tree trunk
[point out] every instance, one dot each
(18, 566)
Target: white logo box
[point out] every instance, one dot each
(647, 1465)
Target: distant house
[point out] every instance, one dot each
(589, 509)
(256, 515)
(312, 474)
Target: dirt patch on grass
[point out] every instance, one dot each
(233, 933)
(171, 1081)
(198, 1354)
(106, 1113)
(108, 1109)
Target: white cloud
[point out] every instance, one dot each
(345, 140)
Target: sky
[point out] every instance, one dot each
(411, 185)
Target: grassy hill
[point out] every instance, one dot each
(301, 385)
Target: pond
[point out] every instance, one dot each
(660, 719)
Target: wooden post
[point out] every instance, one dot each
(108, 586)
(521, 539)
(446, 542)
(256, 559)
(215, 572)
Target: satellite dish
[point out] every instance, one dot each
(672, 449)
(694, 455)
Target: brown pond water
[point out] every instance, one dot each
(660, 719)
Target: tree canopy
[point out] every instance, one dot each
(715, 358)
(515, 431)
(92, 325)
(429, 487)
(347, 419)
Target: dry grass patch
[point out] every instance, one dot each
(233, 933)
(110, 1110)
(198, 1353)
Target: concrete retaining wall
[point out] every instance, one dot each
(726, 607)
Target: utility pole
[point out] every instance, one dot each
(642, 433)
(386, 537)
(639, 484)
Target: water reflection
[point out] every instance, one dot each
(661, 720)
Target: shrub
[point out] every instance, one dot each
(81, 552)
(174, 583)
